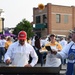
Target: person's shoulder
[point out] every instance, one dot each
(70, 43)
(6, 42)
(14, 44)
(48, 43)
(28, 44)
(57, 42)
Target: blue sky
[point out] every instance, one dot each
(16, 10)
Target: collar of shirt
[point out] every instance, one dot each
(20, 44)
(55, 43)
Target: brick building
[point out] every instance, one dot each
(54, 19)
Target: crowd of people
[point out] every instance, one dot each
(40, 43)
(25, 52)
(62, 52)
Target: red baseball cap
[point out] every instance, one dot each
(22, 35)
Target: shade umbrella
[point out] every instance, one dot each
(9, 34)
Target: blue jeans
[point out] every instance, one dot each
(2, 52)
(42, 57)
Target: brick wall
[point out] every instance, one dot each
(51, 11)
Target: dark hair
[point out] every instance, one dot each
(37, 37)
(52, 35)
(37, 42)
(2, 37)
(9, 38)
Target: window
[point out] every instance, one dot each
(65, 18)
(58, 16)
(37, 19)
(44, 18)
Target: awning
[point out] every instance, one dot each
(40, 26)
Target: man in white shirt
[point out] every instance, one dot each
(18, 52)
(68, 52)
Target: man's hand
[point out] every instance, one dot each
(8, 61)
(28, 65)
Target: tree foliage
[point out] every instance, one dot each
(24, 25)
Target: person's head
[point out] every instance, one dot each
(22, 36)
(8, 38)
(61, 38)
(52, 38)
(2, 37)
(37, 37)
(73, 36)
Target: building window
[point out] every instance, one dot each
(58, 18)
(65, 18)
(44, 18)
(38, 19)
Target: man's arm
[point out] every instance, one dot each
(63, 53)
(7, 56)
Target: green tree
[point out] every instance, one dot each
(24, 25)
